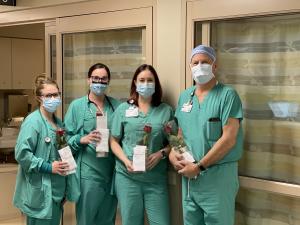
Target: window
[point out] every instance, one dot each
(121, 50)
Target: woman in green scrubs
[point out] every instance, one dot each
(95, 205)
(142, 191)
(41, 181)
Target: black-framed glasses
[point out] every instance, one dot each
(50, 95)
(96, 79)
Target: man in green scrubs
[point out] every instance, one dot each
(210, 116)
(95, 205)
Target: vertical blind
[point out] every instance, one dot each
(260, 58)
(121, 50)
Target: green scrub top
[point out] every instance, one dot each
(130, 131)
(80, 120)
(35, 191)
(203, 125)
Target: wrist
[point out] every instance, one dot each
(163, 153)
(200, 166)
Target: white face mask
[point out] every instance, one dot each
(202, 73)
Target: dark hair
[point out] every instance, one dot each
(99, 66)
(156, 97)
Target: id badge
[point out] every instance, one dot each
(187, 107)
(132, 112)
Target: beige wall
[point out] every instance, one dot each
(32, 31)
(24, 4)
(170, 51)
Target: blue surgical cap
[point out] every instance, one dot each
(202, 49)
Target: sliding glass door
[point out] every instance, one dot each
(120, 49)
(122, 40)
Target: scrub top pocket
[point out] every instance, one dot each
(214, 130)
(89, 123)
(35, 197)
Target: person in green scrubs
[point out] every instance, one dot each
(95, 205)
(143, 114)
(41, 182)
(210, 116)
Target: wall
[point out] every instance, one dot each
(169, 52)
(31, 31)
(24, 4)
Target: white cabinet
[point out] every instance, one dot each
(5, 63)
(21, 60)
(27, 62)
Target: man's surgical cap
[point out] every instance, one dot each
(202, 49)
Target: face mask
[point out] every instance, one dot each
(145, 90)
(202, 73)
(51, 104)
(98, 88)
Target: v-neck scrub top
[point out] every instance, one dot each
(130, 130)
(202, 126)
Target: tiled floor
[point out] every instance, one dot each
(68, 220)
(21, 221)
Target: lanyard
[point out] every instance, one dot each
(192, 94)
(47, 138)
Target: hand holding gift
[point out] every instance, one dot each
(140, 151)
(65, 151)
(176, 141)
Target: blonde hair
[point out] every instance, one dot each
(40, 82)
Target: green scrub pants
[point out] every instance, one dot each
(135, 196)
(56, 216)
(210, 199)
(96, 206)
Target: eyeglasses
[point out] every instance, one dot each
(99, 79)
(50, 95)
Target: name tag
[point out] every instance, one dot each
(132, 112)
(187, 107)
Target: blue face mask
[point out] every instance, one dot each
(146, 90)
(51, 104)
(98, 88)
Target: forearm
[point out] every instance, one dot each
(28, 161)
(117, 150)
(74, 142)
(218, 151)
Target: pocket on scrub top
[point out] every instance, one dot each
(89, 124)
(214, 130)
(35, 197)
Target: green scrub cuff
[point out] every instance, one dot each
(46, 168)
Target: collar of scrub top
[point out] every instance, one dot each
(47, 138)
(192, 94)
(106, 98)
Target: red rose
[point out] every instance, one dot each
(168, 128)
(60, 132)
(147, 128)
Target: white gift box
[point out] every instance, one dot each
(102, 148)
(66, 156)
(139, 158)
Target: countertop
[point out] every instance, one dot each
(8, 167)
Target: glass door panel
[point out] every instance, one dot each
(121, 50)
